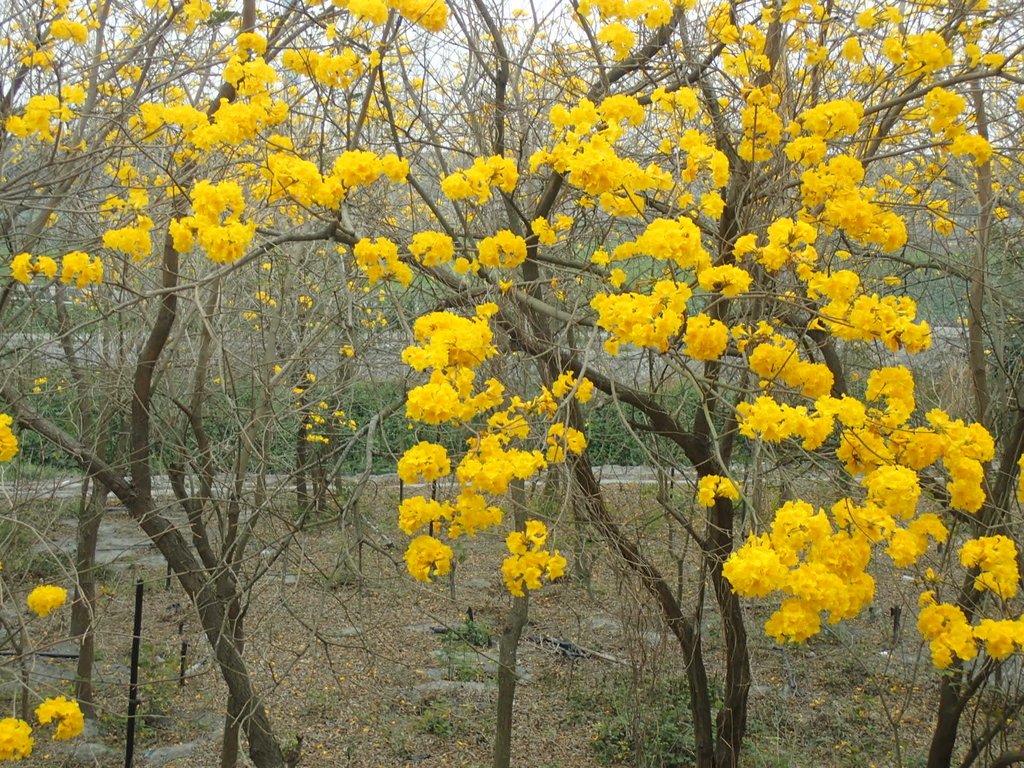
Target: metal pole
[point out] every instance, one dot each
(133, 683)
(184, 654)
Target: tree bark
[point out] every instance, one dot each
(83, 608)
(680, 626)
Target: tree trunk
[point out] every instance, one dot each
(508, 648)
(233, 711)
(508, 676)
(940, 753)
(83, 609)
(682, 627)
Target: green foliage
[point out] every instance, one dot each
(436, 718)
(158, 676)
(612, 440)
(644, 727)
(470, 632)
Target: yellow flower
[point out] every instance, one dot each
(1001, 637)
(947, 630)
(619, 38)
(477, 180)
(44, 600)
(424, 461)
(711, 487)
(432, 249)
(529, 562)
(78, 268)
(504, 250)
(8, 442)
(15, 739)
(755, 569)
(705, 337)
(67, 714)
(427, 557)
(996, 558)
(62, 29)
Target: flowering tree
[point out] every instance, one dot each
(746, 193)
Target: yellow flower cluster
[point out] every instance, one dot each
(427, 557)
(216, 224)
(62, 29)
(451, 395)
(233, 123)
(489, 466)
(995, 557)
(66, 712)
(654, 13)
(788, 241)
(725, 279)
(845, 205)
(432, 249)
(24, 269)
(944, 109)
(711, 487)
(973, 145)
(705, 337)
(820, 567)
(291, 177)
(676, 241)
(503, 250)
(8, 441)
(15, 739)
(618, 37)
(701, 155)
(1001, 636)
(947, 631)
(380, 261)
(922, 54)
(832, 119)
(529, 562)
(133, 240)
(643, 320)
(585, 154)
(41, 116)
(424, 462)
(766, 419)
(333, 70)
(950, 635)
(477, 180)
(44, 600)
(779, 360)
(81, 270)
(854, 316)
(453, 347)
(417, 512)
(567, 383)
(446, 340)
(964, 449)
(562, 439)
(154, 117)
(762, 126)
(432, 15)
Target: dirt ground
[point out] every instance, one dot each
(355, 658)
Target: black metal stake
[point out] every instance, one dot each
(133, 682)
(184, 654)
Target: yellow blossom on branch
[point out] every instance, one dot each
(44, 600)
(15, 739)
(66, 712)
